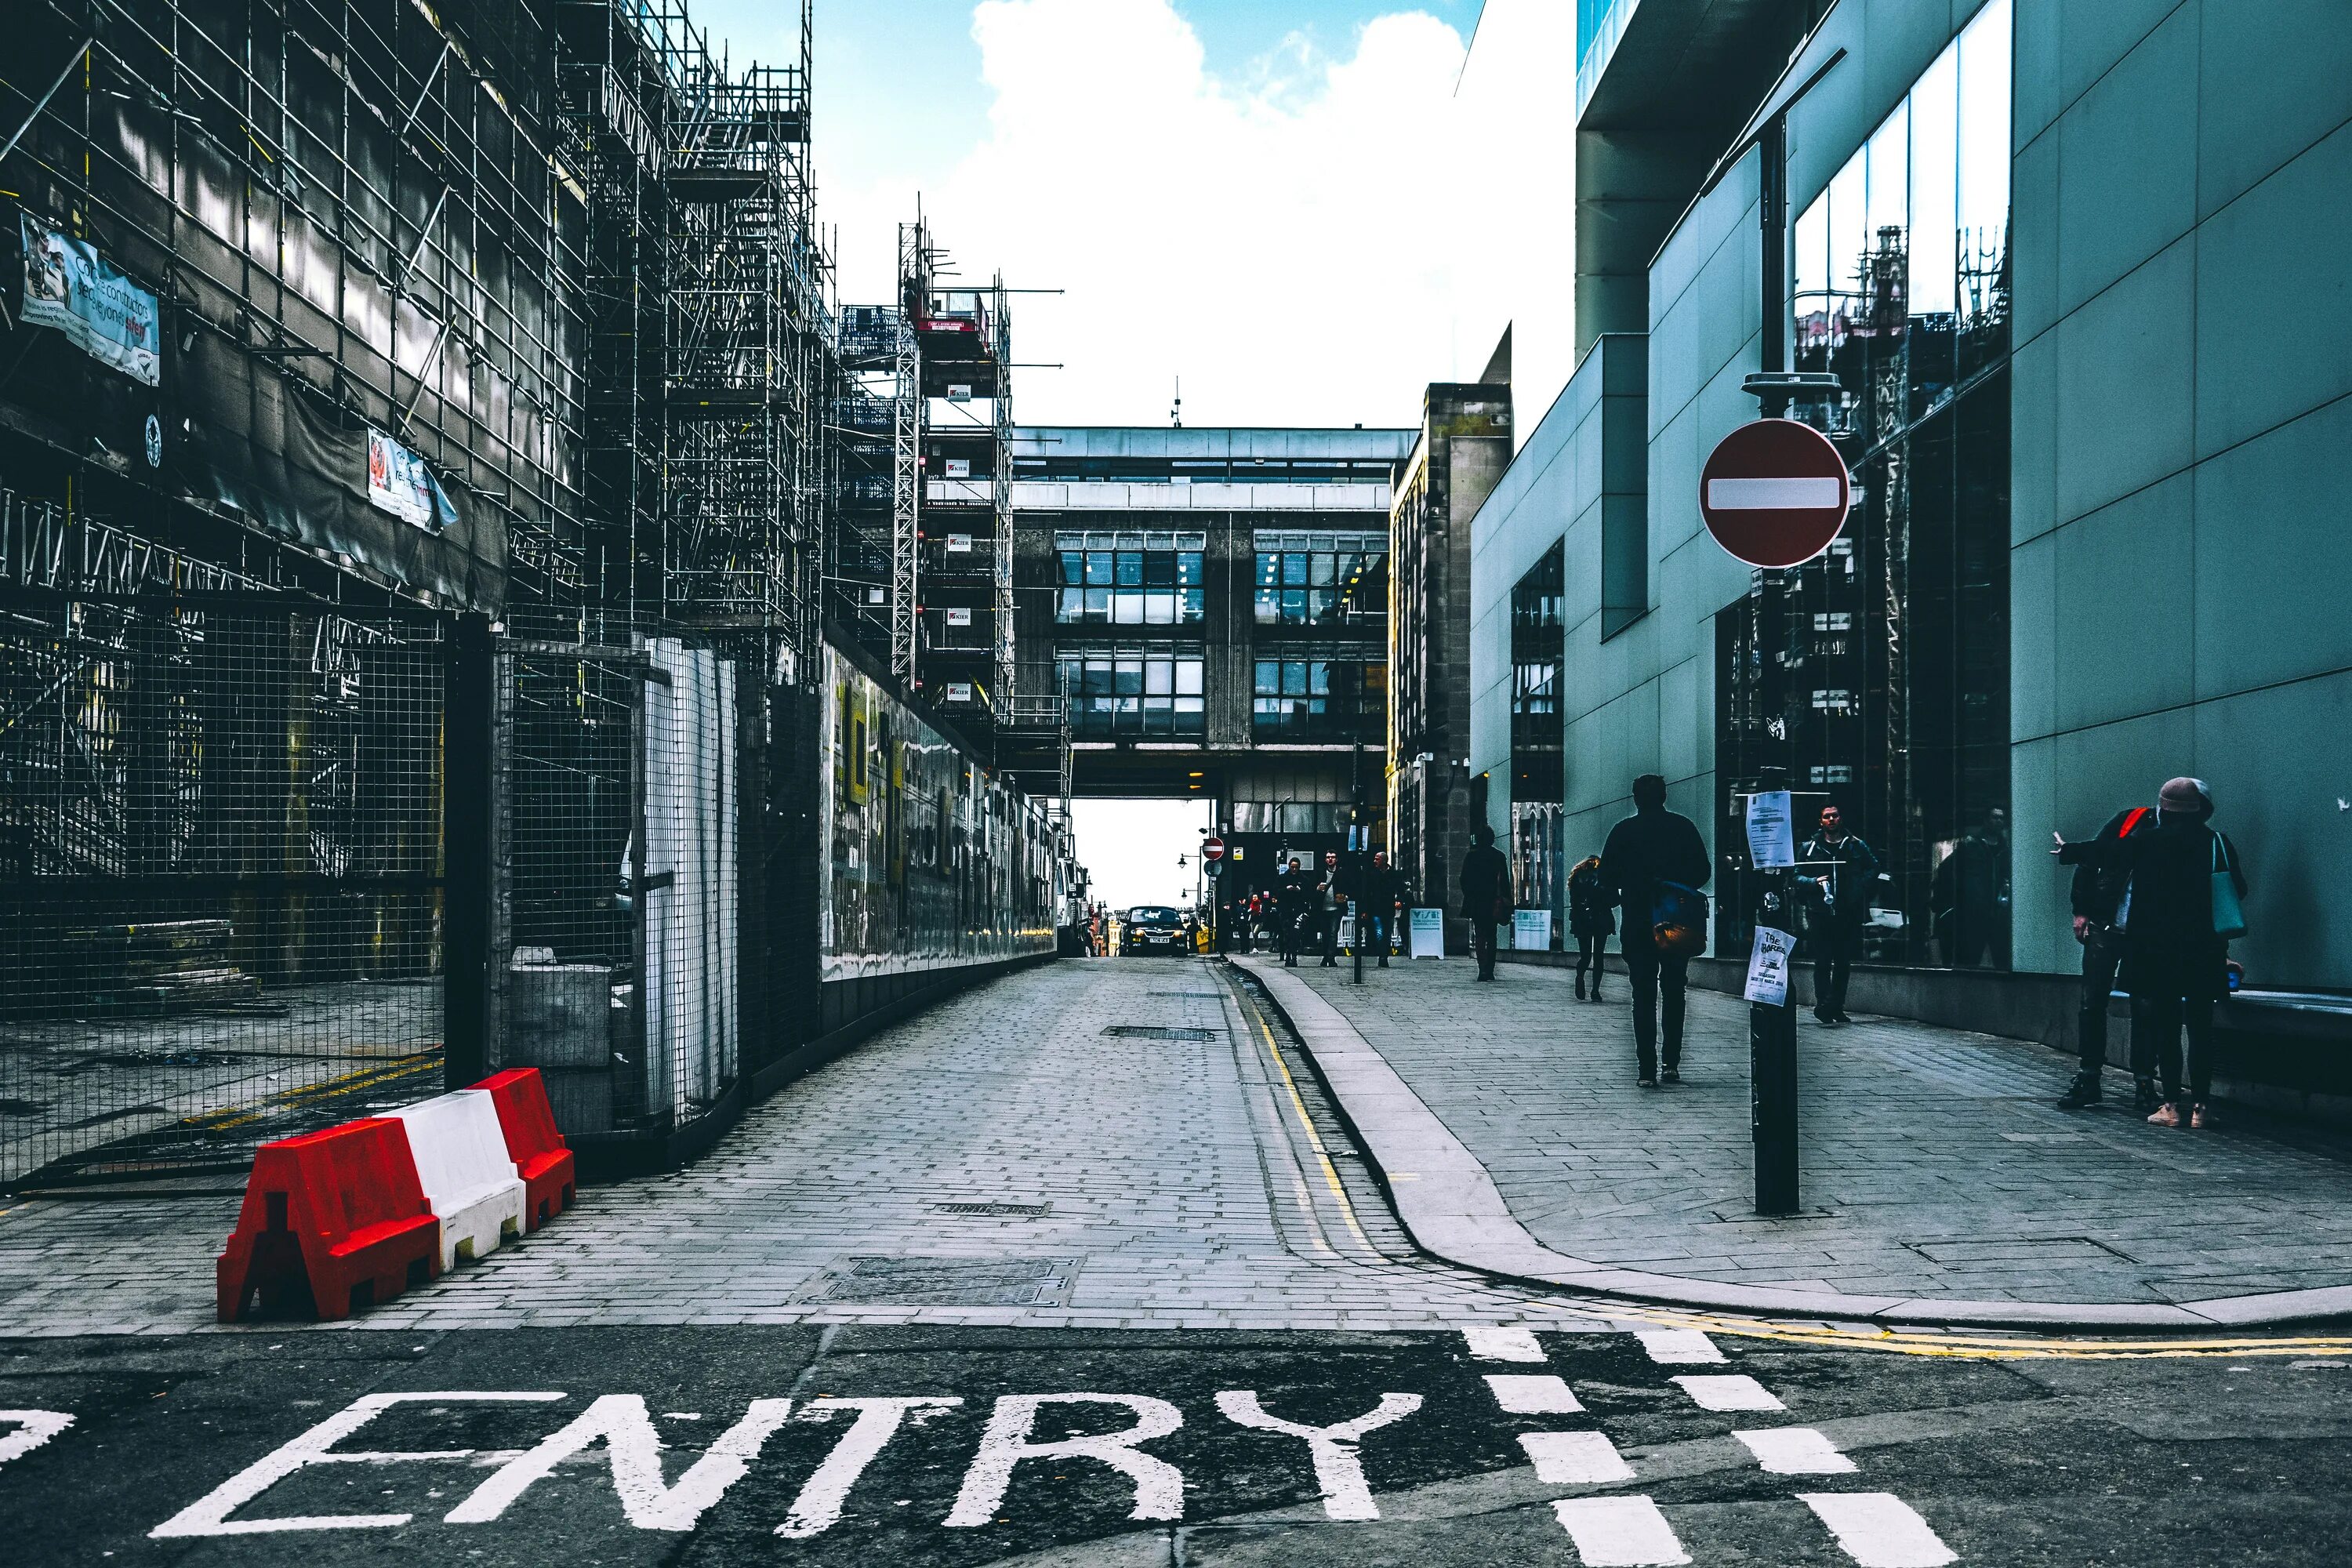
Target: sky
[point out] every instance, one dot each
(1129, 849)
(1285, 203)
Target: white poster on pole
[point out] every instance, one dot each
(1771, 841)
(1768, 966)
(1428, 933)
(1531, 930)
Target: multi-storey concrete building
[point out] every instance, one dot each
(1212, 603)
(2063, 273)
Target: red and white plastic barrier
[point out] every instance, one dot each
(360, 1212)
(467, 1173)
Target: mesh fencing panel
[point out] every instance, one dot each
(220, 879)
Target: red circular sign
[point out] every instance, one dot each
(1774, 492)
(1213, 849)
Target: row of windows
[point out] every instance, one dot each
(1133, 693)
(1312, 587)
(1130, 588)
(1131, 606)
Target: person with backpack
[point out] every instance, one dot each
(1592, 920)
(2181, 905)
(1657, 863)
(1485, 895)
(1847, 871)
(2100, 870)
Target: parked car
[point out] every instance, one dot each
(1152, 928)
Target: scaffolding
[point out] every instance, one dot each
(909, 412)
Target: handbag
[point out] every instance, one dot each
(1678, 919)
(2229, 915)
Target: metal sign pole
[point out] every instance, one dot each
(1772, 1071)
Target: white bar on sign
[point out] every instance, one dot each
(1677, 1346)
(1575, 1458)
(1878, 1530)
(1619, 1533)
(1773, 495)
(1796, 1451)
(1504, 1344)
(1532, 1393)
(1734, 1391)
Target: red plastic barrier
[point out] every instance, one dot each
(339, 1210)
(537, 1148)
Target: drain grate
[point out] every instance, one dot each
(949, 1282)
(998, 1211)
(1160, 1032)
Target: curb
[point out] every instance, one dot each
(1449, 1204)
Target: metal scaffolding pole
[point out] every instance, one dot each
(907, 453)
(1002, 325)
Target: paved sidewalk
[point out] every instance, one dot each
(1939, 1183)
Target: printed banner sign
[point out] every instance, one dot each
(1428, 929)
(1768, 967)
(1531, 930)
(959, 467)
(399, 483)
(958, 691)
(1771, 841)
(959, 544)
(959, 391)
(958, 617)
(106, 315)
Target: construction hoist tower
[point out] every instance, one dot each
(906, 449)
(1001, 471)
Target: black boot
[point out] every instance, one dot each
(2144, 1099)
(2083, 1093)
(1580, 987)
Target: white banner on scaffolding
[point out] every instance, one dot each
(70, 287)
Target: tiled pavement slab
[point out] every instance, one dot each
(1936, 1171)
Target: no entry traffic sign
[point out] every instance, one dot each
(1774, 492)
(1213, 849)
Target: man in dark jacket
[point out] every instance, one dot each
(1843, 870)
(2101, 870)
(1485, 894)
(1292, 895)
(1652, 846)
(1376, 905)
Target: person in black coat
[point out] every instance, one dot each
(1592, 920)
(1844, 871)
(1652, 846)
(1485, 895)
(2174, 962)
(1293, 895)
(2100, 872)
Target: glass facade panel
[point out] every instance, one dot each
(1539, 791)
(1305, 578)
(1147, 691)
(1130, 579)
(1876, 675)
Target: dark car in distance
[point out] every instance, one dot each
(1152, 928)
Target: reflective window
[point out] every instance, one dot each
(1133, 692)
(1308, 578)
(1135, 580)
(1877, 675)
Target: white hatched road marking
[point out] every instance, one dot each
(34, 1427)
(1619, 1533)
(1533, 1393)
(1879, 1530)
(1678, 1347)
(1727, 1391)
(1504, 1344)
(1773, 495)
(1796, 1451)
(1575, 1458)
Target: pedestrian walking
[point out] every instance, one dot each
(1592, 920)
(2100, 872)
(2180, 906)
(1486, 899)
(1838, 909)
(1377, 910)
(1654, 860)
(1328, 908)
(1291, 897)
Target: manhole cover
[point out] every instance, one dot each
(1159, 1032)
(950, 1282)
(998, 1211)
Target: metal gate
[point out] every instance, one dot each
(617, 932)
(221, 893)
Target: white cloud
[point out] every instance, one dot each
(1307, 245)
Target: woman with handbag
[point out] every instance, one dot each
(2180, 908)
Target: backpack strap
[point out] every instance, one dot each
(2131, 820)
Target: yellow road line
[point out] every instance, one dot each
(1313, 1139)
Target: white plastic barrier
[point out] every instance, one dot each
(467, 1173)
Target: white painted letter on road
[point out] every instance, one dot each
(209, 1514)
(634, 1450)
(818, 1508)
(1338, 1470)
(1159, 1488)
